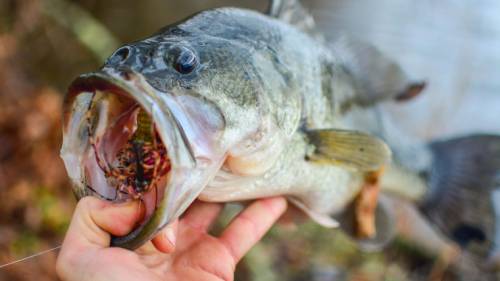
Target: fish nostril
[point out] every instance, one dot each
(121, 54)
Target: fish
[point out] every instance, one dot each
(234, 104)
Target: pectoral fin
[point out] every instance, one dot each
(352, 149)
(384, 224)
(365, 206)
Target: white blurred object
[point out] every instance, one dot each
(453, 45)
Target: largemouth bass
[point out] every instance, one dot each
(233, 105)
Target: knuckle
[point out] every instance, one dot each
(249, 225)
(87, 203)
(231, 254)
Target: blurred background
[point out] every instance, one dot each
(44, 44)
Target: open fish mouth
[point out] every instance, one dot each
(124, 140)
(126, 158)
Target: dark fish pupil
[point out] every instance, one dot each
(185, 62)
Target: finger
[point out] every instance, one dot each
(94, 220)
(201, 215)
(292, 218)
(251, 224)
(164, 241)
(90, 228)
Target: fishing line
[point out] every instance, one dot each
(30, 257)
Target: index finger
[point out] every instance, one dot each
(251, 224)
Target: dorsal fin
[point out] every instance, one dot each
(374, 75)
(292, 12)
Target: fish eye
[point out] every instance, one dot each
(186, 61)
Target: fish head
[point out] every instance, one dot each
(157, 122)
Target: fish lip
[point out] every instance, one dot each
(134, 85)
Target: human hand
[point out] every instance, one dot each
(86, 255)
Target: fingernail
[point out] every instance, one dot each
(170, 235)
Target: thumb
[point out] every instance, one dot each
(95, 220)
(90, 230)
